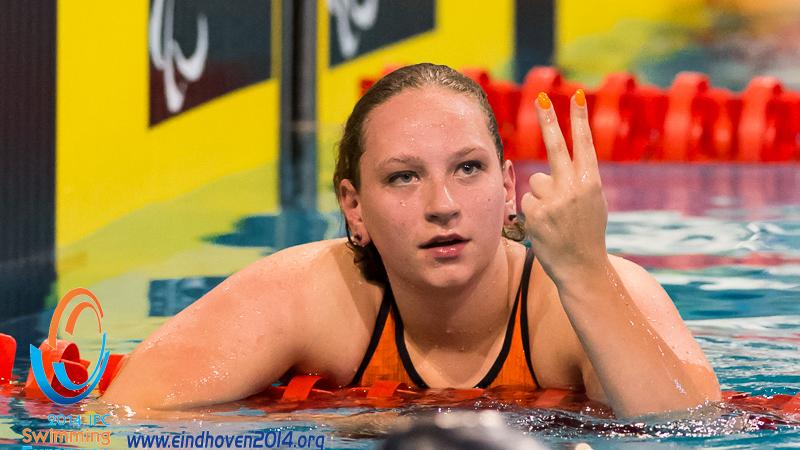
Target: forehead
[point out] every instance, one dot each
(426, 118)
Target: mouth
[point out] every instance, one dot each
(446, 240)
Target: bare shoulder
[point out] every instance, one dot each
(296, 260)
(300, 270)
(318, 283)
(279, 314)
(278, 282)
(332, 305)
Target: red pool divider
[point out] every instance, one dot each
(8, 349)
(691, 121)
(780, 402)
(688, 119)
(528, 142)
(792, 406)
(504, 97)
(66, 352)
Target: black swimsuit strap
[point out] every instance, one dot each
(522, 292)
(380, 323)
(523, 321)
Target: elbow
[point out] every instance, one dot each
(696, 390)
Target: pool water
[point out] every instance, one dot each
(724, 241)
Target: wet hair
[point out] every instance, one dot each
(351, 147)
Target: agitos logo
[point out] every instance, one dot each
(38, 361)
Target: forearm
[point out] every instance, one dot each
(637, 368)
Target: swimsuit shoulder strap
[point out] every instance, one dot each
(381, 360)
(523, 322)
(510, 367)
(378, 337)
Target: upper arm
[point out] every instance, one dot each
(659, 310)
(661, 314)
(233, 342)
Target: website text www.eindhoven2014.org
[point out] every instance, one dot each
(271, 438)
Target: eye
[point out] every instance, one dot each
(470, 167)
(400, 178)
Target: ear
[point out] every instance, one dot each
(510, 186)
(350, 202)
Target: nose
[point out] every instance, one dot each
(441, 208)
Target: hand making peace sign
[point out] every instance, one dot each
(566, 211)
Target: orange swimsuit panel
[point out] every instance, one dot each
(387, 358)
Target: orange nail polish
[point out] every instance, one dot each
(544, 100)
(580, 97)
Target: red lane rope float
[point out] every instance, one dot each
(631, 121)
(8, 348)
(66, 352)
(686, 125)
(383, 389)
(779, 402)
(727, 113)
(612, 121)
(792, 406)
(788, 130)
(648, 130)
(757, 130)
(528, 142)
(300, 387)
(504, 98)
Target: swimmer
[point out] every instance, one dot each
(432, 286)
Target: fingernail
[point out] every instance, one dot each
(544, 100)
(580, 97)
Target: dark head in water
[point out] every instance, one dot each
(461, 431)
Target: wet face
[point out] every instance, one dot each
(433, 194)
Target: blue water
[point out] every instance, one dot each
(724, 241)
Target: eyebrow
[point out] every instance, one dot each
(400, 159)
(415, 160)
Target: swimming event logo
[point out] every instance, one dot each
(167, 56)
(37, 361)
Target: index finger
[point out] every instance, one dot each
(557, 154)
(583, 150)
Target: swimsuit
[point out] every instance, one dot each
(387, 357)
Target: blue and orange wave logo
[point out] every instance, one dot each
(37, 361)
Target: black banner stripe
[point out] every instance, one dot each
(27, 154)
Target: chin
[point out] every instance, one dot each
(447, 277)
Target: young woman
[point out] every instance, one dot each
(429, 288)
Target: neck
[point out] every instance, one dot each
(464, 316)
